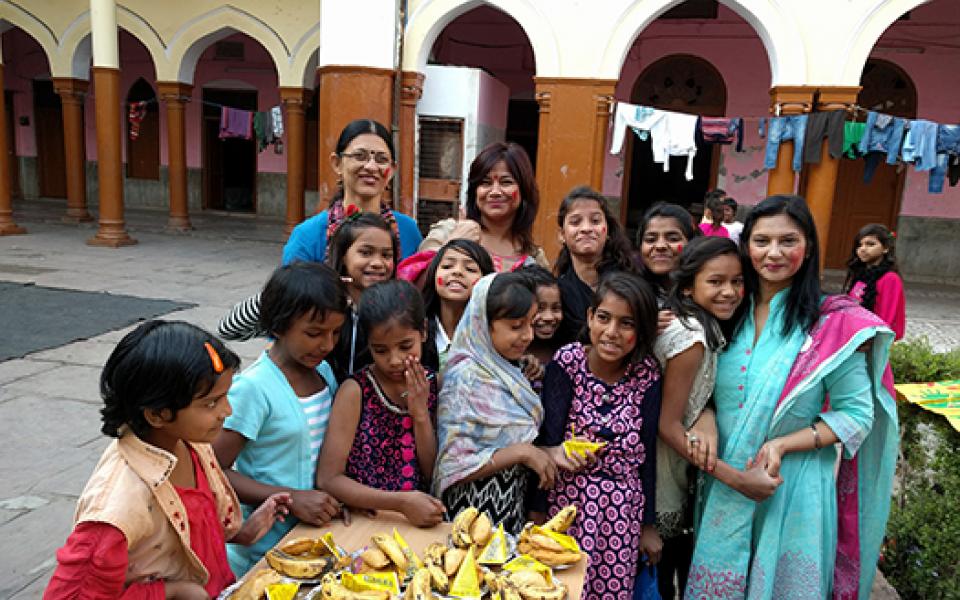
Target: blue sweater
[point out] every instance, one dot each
(308, 240)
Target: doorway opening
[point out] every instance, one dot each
(229, 165)
(51, 156)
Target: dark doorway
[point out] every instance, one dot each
(229, 165)
(51, 157)
(523, 125)
(680, 83)
(143, 153)
(312, 116)
(12, 147)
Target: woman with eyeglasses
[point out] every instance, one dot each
(364, 162)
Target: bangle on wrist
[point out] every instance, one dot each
(816, 436)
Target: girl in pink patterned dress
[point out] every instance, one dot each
(381, 442)
(609, 391)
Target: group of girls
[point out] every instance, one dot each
(456, 384)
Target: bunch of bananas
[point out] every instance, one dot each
(332, 589)
(537, 543)
(256, 584)
(384, 553)
(419, 587)
(525, 585)
(471, 528)
(304, 558)
(449, 559)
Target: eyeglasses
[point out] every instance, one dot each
(363, 156)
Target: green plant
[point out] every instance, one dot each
(923, 534)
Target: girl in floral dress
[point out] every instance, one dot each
(381, 441)
(609, 391)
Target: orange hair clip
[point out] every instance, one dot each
(214, 358)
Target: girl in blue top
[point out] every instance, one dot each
(281, 403)
(364, 162)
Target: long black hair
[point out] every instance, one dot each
(642, 300)
(803, 299)
(297, 289)
(664, 210)
(160, 365)
(617, 253)
(519, 165)
(694, 256)
(469, 248)
(857, 270)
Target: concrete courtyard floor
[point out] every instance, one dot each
(49, 400)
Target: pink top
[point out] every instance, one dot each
(890, 305)
(715, 231)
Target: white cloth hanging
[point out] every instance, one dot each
(671, 133)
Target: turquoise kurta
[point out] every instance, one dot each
(785, 546)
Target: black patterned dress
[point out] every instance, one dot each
(615, 496)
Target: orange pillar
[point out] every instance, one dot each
(411, 89)
(574, 118)
(792, 100)
(348, 93)
(7, 225)
(112, 232)
(176, 95)
(72, 93)
(295, 126)
(822, 177)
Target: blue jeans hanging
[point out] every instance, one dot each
(783, 129)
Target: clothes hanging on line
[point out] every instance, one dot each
(276, 117)
(821, 125)
(236, 123)
(852, 134)
(135, 115)
(883, 134)
(671, 134)
(783, 129)
(947, 148)
(721, 130)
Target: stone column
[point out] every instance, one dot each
(822, 177)
(792, 100)
(175, 96)
(112, 232)
(7, 224)
(72, 93)
(574, 118)
(348, 93)
(411, 89)
(295, 126)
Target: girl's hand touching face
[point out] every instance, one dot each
(418, 389)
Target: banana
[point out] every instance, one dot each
(509, 593)
(392, 549)
(550, 557)
(434, 553)
(374, 558)
(419, 586)
(460, 532)
(545, 542)
(562, 521)
(256, 585)
(526, 578)
(481, 529)
(300, 546)
(302, 567)
(452, 560)
(438, 578)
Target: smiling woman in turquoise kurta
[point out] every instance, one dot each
(801, 373)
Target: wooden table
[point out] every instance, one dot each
(358, 534)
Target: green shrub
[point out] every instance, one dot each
(921, 558)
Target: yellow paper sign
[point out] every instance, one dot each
(385, 581)
(495, 552)
(467, 583)
(331, 546)
(526, 562)
(581, 446)
(282, 591)
(412, 557)
(568, 542)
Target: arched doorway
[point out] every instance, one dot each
(888, 89)
(680, 83)
(143, 132)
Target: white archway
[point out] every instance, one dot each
(780, 36)
(196, 35)
(77, 49)
(871, 26)
(12, 15)
(431, 17)
(305, 57)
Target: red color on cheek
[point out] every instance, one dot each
(679, 248)
(515, 194)
(439, 280)
(631, 338)
(387, 172)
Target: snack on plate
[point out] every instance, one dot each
(452, 560)
(373, 559)
(495, 552)
(528, 563)
(377, 581)
(256, 585)
(561, 521)
(392, 550)
(331, 589)
(548, 546)
(419, 586)
(307, 558)
(460, 530)
(412, 558)
(282, 591)
(434, 553)
(481, 529)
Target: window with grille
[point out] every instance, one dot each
(441, 170)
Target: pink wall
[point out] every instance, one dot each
(734, 49)
(492, 103)
(24, 61)
(926, 47)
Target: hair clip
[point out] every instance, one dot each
(214, 358)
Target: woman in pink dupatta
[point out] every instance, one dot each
(802, 373)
